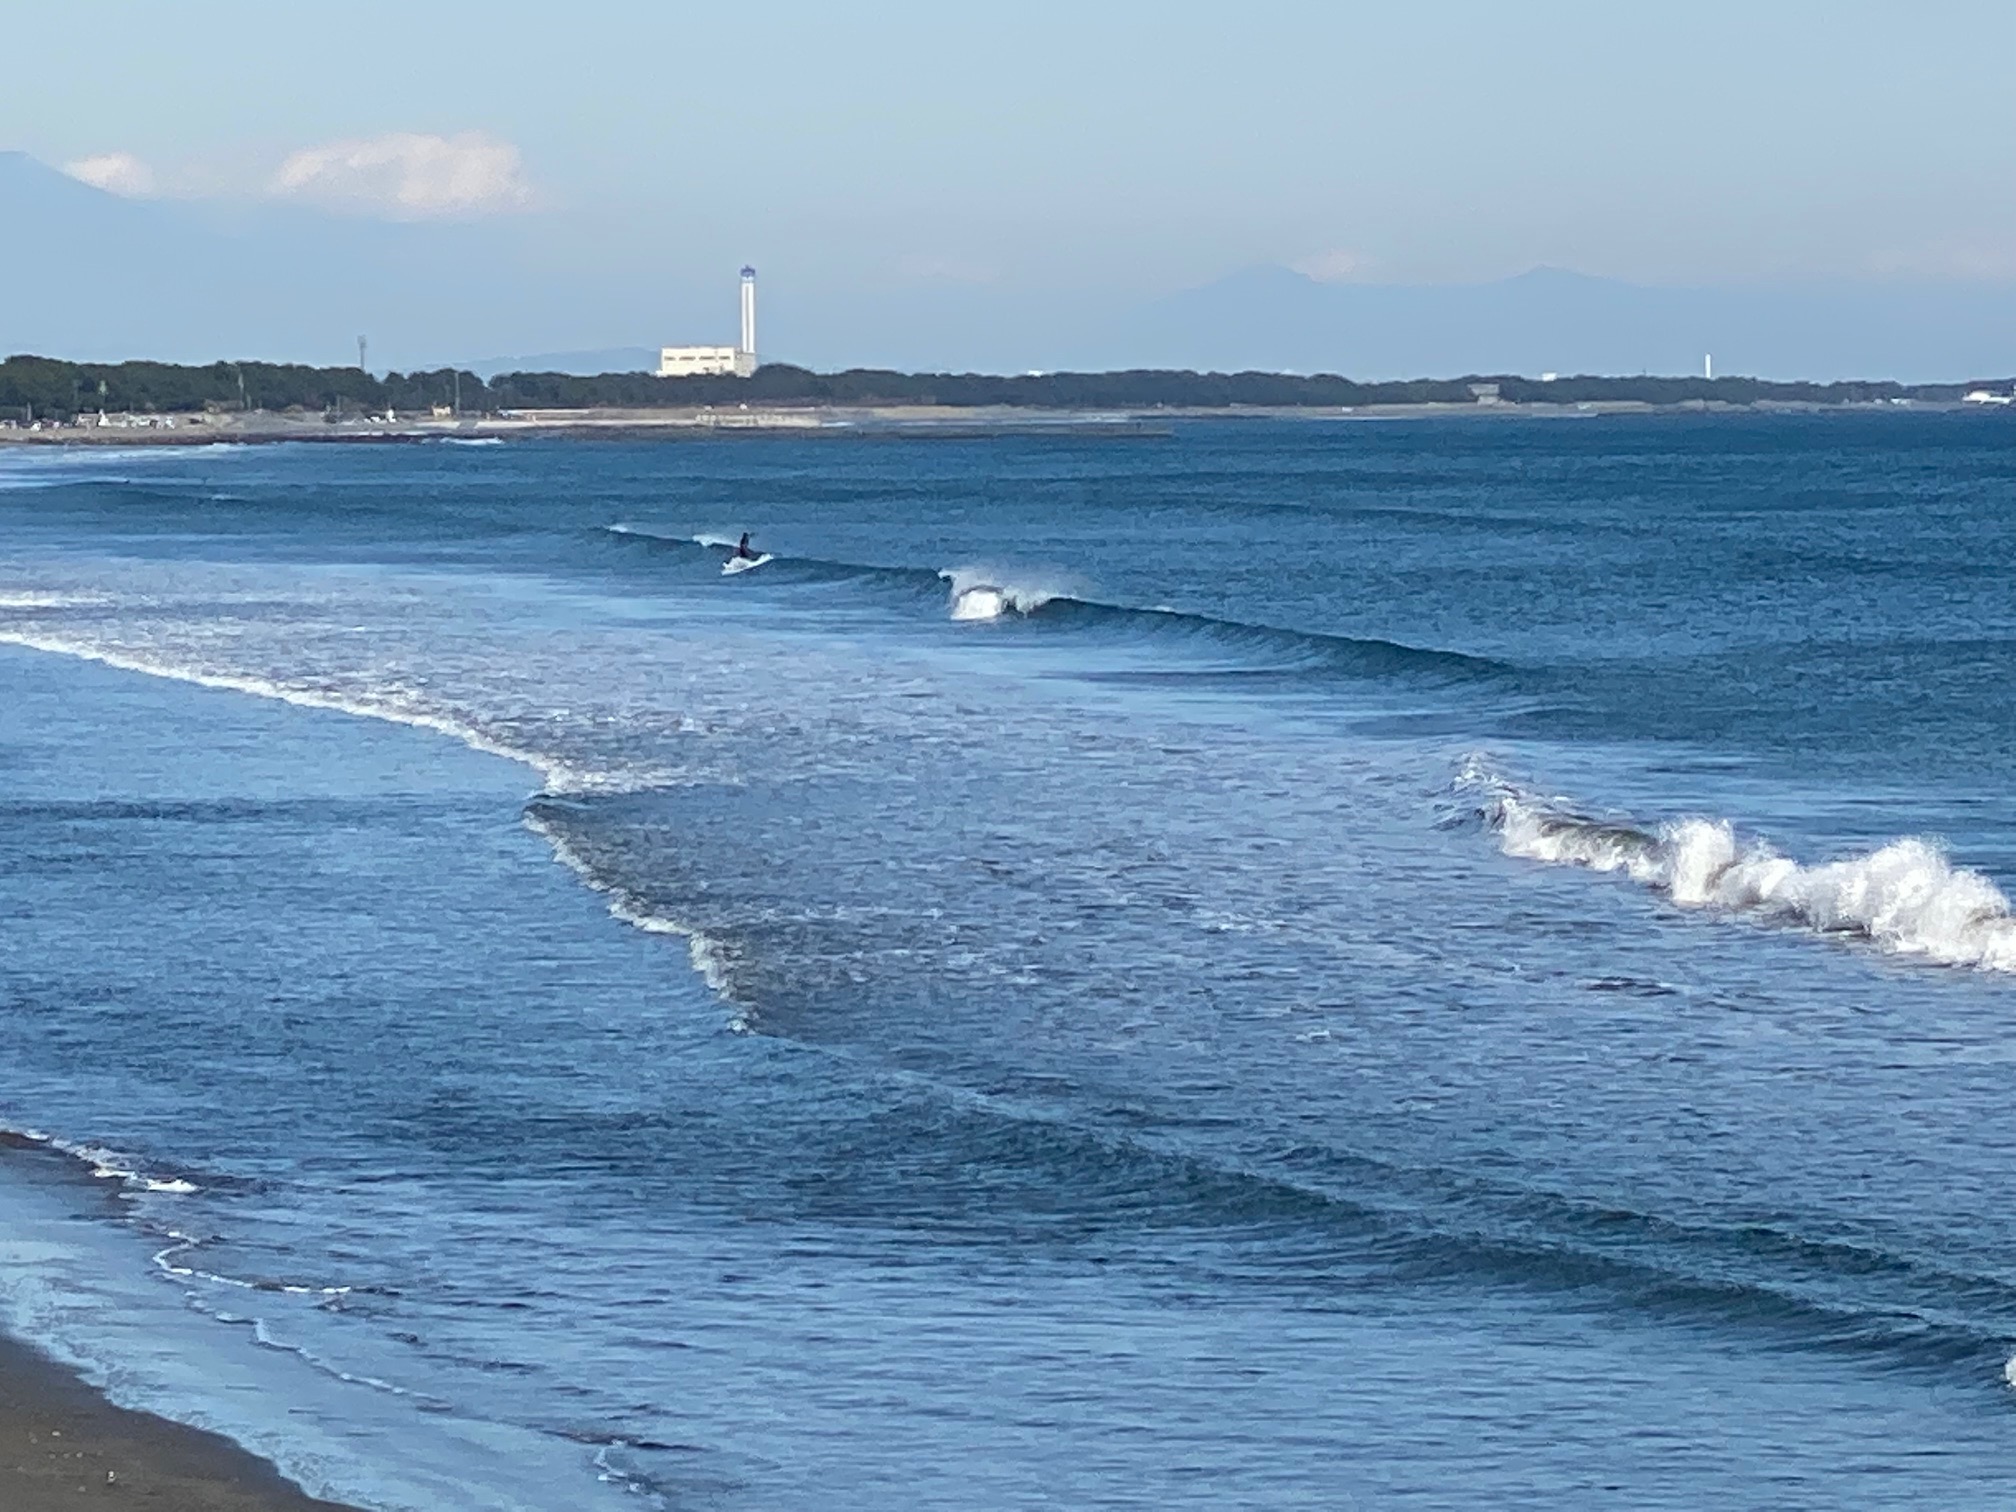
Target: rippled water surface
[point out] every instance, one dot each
(1446, 964)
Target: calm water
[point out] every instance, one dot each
(1313, 965)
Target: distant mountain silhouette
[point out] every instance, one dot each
(95, 275)
(1549, 320)
(92, 276)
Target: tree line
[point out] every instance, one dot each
(51, 388)
(47, 387)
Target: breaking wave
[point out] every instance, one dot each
(708, 956)
(559, 778)
(62, 464)
(1059, 602)
(1906, 897)
(29, 598)
(393, 706)
(103, 1164)
(390, 703)
(985, 593)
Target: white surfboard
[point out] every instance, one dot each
(742, 564)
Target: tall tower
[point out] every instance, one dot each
(745, 352)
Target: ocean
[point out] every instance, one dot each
(1282, 964)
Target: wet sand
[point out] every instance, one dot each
(63, 1446)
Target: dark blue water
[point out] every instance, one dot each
(1438, 964)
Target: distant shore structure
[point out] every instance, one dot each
(749, 315)
(717, 361)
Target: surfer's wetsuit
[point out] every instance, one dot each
(742, 551)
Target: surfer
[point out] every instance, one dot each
(742, 551)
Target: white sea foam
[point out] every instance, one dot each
(558, 775)
(110, 1165)
(981, 603)
(624, 528)
(708, 538)
(981, 592)
(50, 464)
(391, 704)
(167, 1262)
(31, 598)
(262, 1334)
(1906, 897)
(709, 958)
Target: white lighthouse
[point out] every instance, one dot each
(745, 354)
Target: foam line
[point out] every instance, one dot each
(556, 774)
(29, 598)
(107, 1165)
(707, 954)
(1905, 897)
(559, 777)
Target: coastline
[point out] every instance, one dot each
(101, 1368)
(64, 1445)
(906, 420)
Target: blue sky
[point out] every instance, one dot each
(1079, 153)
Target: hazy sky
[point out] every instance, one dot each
(1139, 146)
(1077, 153)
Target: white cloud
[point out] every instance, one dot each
(1335, 266)
(408, 175)
(114, 172)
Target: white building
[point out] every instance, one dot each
(717, 361)
(699, 361)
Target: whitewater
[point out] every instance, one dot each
(1905, 897)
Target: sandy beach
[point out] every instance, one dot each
(63, 1446)
(916, 420)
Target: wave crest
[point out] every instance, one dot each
(710, 957)
(980, 592)
(1906, 897)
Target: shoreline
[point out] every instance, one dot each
(880, 422)
(94, 1382)
(64, 1445)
